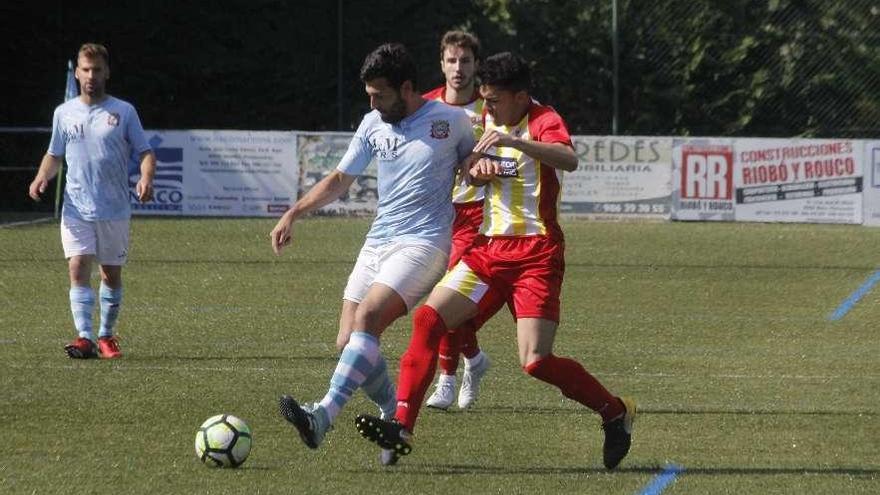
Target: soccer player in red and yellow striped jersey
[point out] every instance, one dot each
(517, 258)
(459, 60)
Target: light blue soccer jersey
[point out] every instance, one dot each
(97, 141)
(416, 158)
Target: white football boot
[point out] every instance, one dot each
(444, 393)
(470, 381)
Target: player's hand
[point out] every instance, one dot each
(494, 138)
(484, 169)
(144, 190)
(37, 187)
(281, 235)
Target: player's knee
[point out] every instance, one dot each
(80, 270)
(428, 324)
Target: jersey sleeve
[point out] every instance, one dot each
(550, 128)
(136, 136)
(359, 153)
(56, 143)
(465, 131)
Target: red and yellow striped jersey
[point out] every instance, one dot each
(463, 192)
(525, 201)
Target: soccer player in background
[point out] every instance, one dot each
(517, 257)
(417, 145)
(97, 134)
(459, 59)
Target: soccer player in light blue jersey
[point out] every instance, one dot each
(418, 145)
(97, 134)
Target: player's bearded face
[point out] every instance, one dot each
(92, 74)
(395, 112)
(386, 100)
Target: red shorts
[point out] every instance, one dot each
(465, 227)
(524, 272)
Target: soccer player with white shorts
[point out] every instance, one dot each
(517, 259)
(417, 145)
(97, 134)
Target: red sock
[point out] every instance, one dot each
(467, 337)
(449, 351)
(418, 363)
(576, 384)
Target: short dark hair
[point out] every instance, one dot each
(506, 71)
(461, 39)
(391, 61)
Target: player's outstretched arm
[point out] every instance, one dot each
(48, 169)
(144, 187)
(556, 155)
(328, 190)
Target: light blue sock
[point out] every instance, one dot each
(358, 360)
(380, 390)
(82, 302)
(111, 299)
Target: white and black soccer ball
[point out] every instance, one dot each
(223, 441)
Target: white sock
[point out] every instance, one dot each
(474, 361)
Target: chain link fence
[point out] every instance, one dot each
(750, 68)
(764, 68)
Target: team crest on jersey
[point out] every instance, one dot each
(439, 129)
(113, 119)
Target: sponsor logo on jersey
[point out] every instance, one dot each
(508, 165)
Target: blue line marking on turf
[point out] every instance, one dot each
(662, 480)
(851, 301)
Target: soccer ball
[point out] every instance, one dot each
(223, 441)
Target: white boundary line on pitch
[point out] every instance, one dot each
(26, 222)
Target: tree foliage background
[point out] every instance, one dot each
(686, 67)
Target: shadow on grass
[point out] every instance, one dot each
(454, 469)
(488, 410)
(721, 266)
(350, 261)
(232, 358)
(201, 261)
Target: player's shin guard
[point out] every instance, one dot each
(111, 300)
(82, 302)
(467, 338)
(356, 363)
(418, 364)
(449, 351)
(576, 384)
(380, 389)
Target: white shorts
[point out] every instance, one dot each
(410, 269)
(107, 240)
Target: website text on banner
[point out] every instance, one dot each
(221, 173)
(620, 177)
